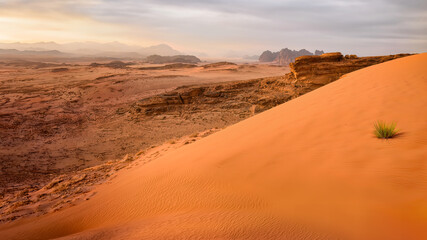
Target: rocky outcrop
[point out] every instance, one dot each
(157, 59)
(245, 98)
(170, 66)
(316, 71)
(113, 64)
(285, 56)
(218, 64)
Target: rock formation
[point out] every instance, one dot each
(285, 56)
(218, 64)
(268, 56)
(245, 98)
(316, 71)
(113, 64)
(242, 98)
(170, 66)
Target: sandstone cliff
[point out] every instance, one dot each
(241, 98)
(316, 71)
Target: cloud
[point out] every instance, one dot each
(366, 27)
(31, 24)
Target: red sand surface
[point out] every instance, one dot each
(308, 169)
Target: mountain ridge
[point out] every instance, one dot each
(286, 55)
(92, 48)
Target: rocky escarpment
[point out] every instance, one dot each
(285, 56)
(237, 100)
(315, 71)
(240, 99)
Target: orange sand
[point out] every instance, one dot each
(308, 169)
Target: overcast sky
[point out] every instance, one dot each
(224, 27)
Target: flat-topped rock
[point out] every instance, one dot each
(316, 71)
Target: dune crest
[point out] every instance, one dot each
(308, 169)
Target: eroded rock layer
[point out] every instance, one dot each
(316, 71)
(245, 98)
(242, 98)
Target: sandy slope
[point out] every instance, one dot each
(308, 169)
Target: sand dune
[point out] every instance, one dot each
(307, 169)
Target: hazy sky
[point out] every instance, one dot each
(224, 27)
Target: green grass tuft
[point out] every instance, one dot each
(384, 130)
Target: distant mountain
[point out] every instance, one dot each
(118, 55)
(319, 52)
(172, 59)
(91, 49)
(285, 56)
(268, 56)
(251, 57)
(161, 49)
(30, 54)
